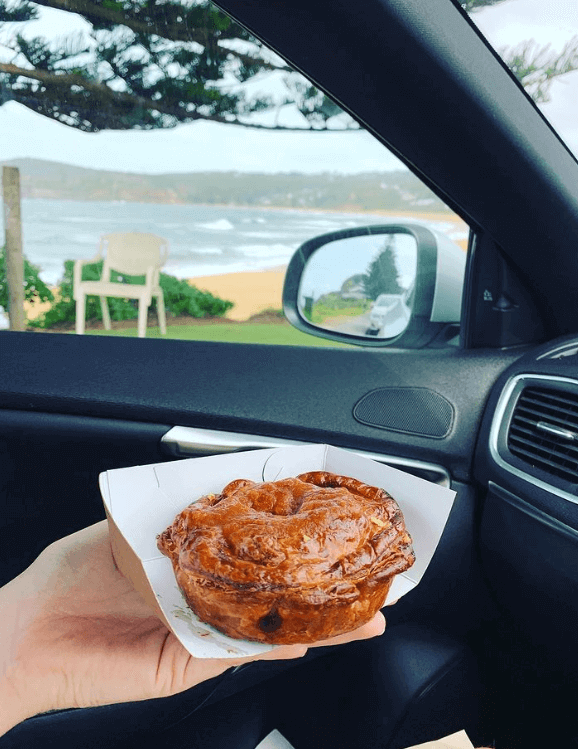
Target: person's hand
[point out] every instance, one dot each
(75, 633)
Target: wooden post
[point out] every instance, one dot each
(13, 249)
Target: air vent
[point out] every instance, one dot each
(544, 431)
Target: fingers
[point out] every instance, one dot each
(279, 653)
(374, 628)
(283, 652)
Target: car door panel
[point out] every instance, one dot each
(452, 595)
(422, 683)
(49, 467)
(305, 394)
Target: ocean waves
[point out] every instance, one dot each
(203, 240)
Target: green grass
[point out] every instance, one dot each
(322, 312)
(266, 333)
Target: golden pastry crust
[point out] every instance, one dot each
(292, 561)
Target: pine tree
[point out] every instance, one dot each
(147, 64)
(533, 65)
(382, 275)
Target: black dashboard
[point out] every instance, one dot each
(528, 442)
(527, 469)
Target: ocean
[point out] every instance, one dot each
(203, 240)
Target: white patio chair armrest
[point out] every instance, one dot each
(77, 273)
(94, 259)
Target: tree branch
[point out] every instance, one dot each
(100, 90)
(67, 80)
(250, 60)
(117, 17)
(172, 32)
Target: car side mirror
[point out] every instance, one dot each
(384, 285)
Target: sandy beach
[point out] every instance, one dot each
(251, 292)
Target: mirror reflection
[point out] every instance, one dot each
(361, 285)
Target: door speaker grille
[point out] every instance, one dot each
(419, 411)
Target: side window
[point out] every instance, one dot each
(175, 141)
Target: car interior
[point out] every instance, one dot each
(490, 408)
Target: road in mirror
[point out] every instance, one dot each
(361, 285)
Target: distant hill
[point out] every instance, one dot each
(398, 190)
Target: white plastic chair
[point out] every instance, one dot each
(129, 253)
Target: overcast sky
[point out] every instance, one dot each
(207, 146)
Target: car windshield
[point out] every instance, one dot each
(383, 299)
(538, 41)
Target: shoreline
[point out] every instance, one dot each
(346, 209)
